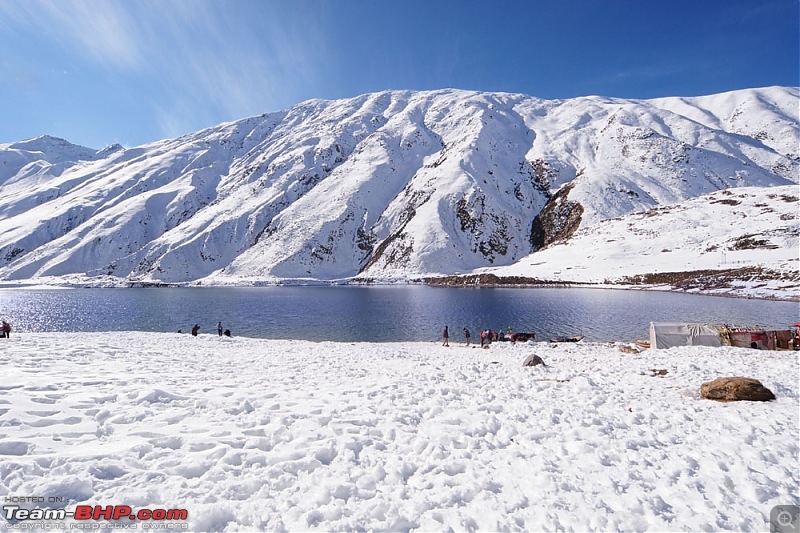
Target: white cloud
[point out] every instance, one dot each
(193, 63)
(102, 31)
(235, 62)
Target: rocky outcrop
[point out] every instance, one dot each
(557, 221)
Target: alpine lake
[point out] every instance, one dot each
(379, 313)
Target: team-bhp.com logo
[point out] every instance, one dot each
(87, 515)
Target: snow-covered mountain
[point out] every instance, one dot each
(743, 241)
(394, 184)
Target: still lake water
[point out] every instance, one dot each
(395, 313)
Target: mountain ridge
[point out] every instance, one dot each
(391, 184)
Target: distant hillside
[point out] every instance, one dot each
(743, 241)
(392, 185)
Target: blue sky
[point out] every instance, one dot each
(98, 72)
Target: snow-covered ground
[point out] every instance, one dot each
(250, 434)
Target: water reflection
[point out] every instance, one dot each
(379, 313)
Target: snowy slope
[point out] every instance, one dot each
(742, 112)
(44, 157)
(393, 184)
(752, 230)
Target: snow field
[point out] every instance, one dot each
(252, 434)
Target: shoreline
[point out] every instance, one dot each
(625, 347)
(774, 295)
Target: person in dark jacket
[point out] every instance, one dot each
(446, 337)
(219, 328)
(466, 334)
(195, 329)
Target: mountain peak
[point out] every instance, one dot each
(45, 143)
(108, 150)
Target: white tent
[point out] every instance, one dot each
(669, 334)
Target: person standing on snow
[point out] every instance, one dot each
(446, 337)
(486, 337)
(466, 334)
(195, 329)
(219, 328)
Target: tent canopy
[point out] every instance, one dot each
(669, 334)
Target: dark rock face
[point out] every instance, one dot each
(488, 231)
(557, 221)
(735, 389)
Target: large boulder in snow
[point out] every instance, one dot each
(734, 389)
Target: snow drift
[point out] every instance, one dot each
(396, 436)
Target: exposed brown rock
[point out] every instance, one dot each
(735, 389)
(557, 221)
(491, 280)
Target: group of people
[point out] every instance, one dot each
(486, 335)
(220, 332)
